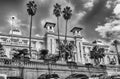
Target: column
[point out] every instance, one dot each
(51, 45)
(89, 60)
(78, 44)
(80, 54)
(117, 63)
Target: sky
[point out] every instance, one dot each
(100, 19)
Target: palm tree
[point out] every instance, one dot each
(115, 43)
(57, 13)
(43, 54)
(21, 55)
(66, 51)
(32, 7)
(67, 13)
(48, 58)
(2, 51)
(44, 57)
(88, 66)
(97, 54)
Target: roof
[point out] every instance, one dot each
(22, 36)
(62, 35)
(49, 23)
(76, 28)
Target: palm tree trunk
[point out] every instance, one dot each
(117, 54)
(22, 69)
(30, 36)
(58, 33)
(71, 71)
(96, 61)
(22, 72)
(66, 31)
(19, 67)
(89, 71)
(49, 68)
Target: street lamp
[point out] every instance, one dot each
(32, 7)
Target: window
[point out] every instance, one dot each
(51, 45)
(114, 58)
(56, 43)
(108, 58)
(34, 43)
(50, 27)
(80, 50)
(3, 39)
(14, 40)
(83, 49)
(25, 41)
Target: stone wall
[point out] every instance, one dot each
(33, 69)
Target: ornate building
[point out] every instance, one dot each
(49, 41)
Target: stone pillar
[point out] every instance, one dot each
(89, 49)
(117, 63)
(80, 54)
(51, 44)
(78, 51)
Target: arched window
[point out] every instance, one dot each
(108, 59)
(114, 58)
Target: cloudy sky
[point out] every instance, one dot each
(100, 19)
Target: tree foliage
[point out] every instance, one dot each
(2, 51)
(21, 54)
(66, 50)
(67, 13)
(116, 43)
(57, 10)
(31, 8)
(97, 54)
(44, 55)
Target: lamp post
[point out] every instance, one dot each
(32, 7)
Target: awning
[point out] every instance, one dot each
(82, 76)
(46, 76)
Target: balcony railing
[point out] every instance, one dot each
(6, 62)
(39, 64)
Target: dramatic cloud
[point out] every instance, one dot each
(89, 4)
(110, 4)
(86, 13)
(111, 29)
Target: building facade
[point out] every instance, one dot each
(49, 41)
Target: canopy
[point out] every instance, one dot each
(79, 76)
(47, 76)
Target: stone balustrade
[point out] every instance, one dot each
(39, 64)
(34, 68)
